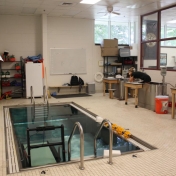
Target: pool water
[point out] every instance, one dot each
(66, 115)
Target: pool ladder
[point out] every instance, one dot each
(77, 124)
(42, 111)
(110, 139)
(48, 144)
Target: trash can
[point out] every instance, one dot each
(90, 89)
(161, 104)
(120, 89)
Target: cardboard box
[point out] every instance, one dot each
(109, 51)
(108, 43)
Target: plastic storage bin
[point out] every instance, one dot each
(161, 104)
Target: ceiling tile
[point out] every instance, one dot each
(55, 8)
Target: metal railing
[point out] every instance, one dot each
(45, 96)
(77, 124)
(45, 128)
(110, 139)
(32, 95)
(32, 102)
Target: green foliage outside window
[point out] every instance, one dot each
(117, 30)
(121, 33)
(100, 33)
(170, 32)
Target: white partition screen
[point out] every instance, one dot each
(67, 61)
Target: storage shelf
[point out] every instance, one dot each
(12, 77)
(10, 61)
(111, 66)
(11, 86)
(10, 69)
(17, 90)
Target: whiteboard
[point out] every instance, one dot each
(67, 61)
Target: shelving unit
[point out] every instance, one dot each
(110, 66)
(12, 85)
(128, 62)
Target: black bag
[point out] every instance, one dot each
(81, 82)
(74, 81)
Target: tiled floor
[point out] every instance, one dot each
(156, 129)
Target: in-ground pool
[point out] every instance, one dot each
(47, 133)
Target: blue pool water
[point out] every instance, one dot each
(22, 119)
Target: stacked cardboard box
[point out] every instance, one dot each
(109, 47)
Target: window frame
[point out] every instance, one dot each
(129, 32)
(158, 38)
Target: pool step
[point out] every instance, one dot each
(41, 111)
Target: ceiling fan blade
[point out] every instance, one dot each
(115, 13)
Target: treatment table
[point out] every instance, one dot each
(134, 85)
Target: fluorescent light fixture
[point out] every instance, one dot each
(89, 1)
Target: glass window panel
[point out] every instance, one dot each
(100, 31)
(168, 20)
(149, 27)
(170, 43)
(149, 55)
(132, 33)
(171, 32)
(120, 31)
(168, 56)
(162, 32)
(163, 43)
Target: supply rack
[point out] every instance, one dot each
(12, 84)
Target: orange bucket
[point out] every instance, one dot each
(161, 104)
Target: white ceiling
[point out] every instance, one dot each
(128, 9)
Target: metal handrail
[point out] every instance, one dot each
(32, 95)
(110, 139)
(44, 93)
(77, 124)
(172, 85)
(33, 102)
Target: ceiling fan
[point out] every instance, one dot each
(110, 11)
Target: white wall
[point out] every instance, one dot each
(73, 33)
(21, 35)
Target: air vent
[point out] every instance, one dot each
(67, 3)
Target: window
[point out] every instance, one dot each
(101, 31)
(120, 31)
(158, 39)
(124, 32)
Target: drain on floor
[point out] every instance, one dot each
(44, 172)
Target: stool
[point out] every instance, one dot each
(111, 94)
